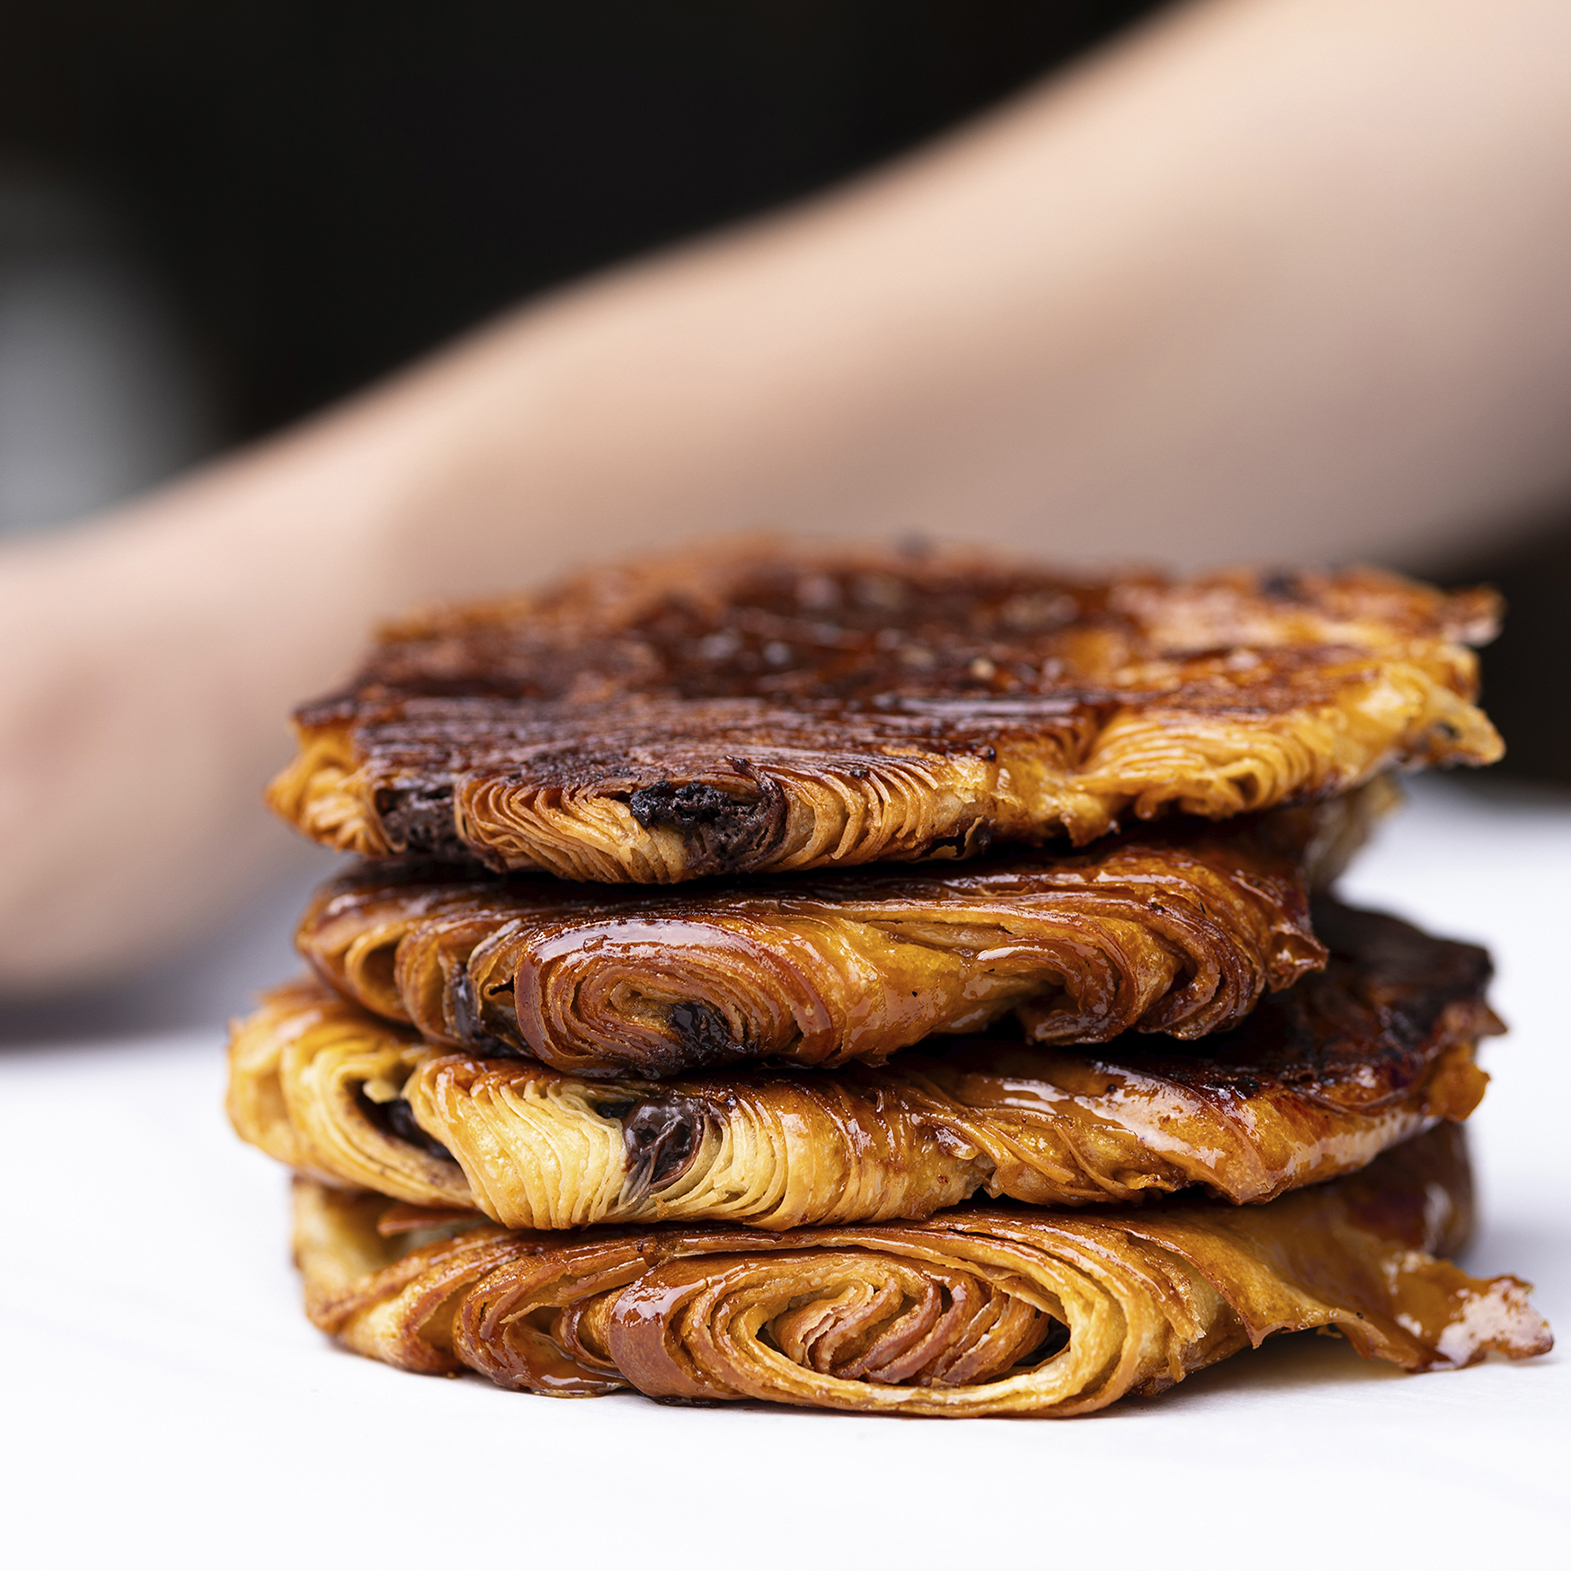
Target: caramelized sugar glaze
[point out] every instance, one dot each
(1316, 1082)
(1177, 930)
(758, 711)
(987, 1310)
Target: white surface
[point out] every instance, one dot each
(167, 1404)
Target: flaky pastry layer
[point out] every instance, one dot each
(1317, 1082)
(1177, 930)
(987, 1311)
(761, 711)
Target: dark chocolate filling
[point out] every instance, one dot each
(396, 1120)
(466, 1020)
(691, 808)
(419, 821)
(663, 1137)
(702, 1031)
(723, 833)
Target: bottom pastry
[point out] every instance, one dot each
(981, 1310)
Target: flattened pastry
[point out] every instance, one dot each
(1316, 1082)
(986, 1311)
(1177, 930)
(761, 711)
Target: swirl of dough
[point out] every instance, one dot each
(975, 1312)
(574, 832)
(1320, 1080)
(895, 1326)
(312, 1088)
(658, 997)
(882, 808)
(398, 948)
(894, 805)
(1178, 930)
(1217, 764)
(325, 794)
(546, 1151)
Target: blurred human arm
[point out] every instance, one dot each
(1271, 279)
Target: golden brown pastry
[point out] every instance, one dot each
(1317, 1081)
(1176, 930)
(759, 711)
(985, 1311)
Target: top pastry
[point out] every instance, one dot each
(766, 710)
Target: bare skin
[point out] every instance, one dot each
(1272, 279)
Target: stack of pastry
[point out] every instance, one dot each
(902, 984)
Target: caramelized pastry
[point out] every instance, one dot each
(984, 1311)
(761, 711)
(1178, 931)
(1316, 1082)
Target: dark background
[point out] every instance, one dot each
(326, 189)
(331, 186)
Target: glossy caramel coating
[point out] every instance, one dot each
(978, 1311)
(1177, 930)
(1316, 1082)
(762, 711)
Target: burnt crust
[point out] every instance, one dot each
(1358, 1034)
(763, 710)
